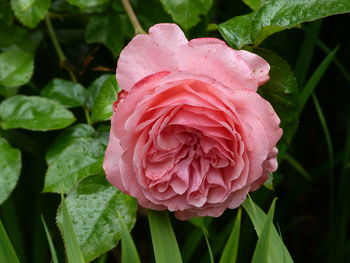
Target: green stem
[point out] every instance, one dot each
(58, 49)
(87, 115)
(133, 19)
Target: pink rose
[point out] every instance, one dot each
(190, 133)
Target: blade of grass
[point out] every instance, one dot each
(191, 244)
(165, 247)
(297, 166)
(7, 253)
(205, 233)
(306, 51)
(315, 78)
(229, 255)
(129, 251)
(49, 239)
(278, 252)
(203, 223)
(11, 221)
(73, 251)
(263, 245)
(336, 61)
(219, 240)
(329, 147)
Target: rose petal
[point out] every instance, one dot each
(149, 54)
(217, 60)
(258, 65)
(249, 103)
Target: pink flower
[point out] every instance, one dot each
(190, 133)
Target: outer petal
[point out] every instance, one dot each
(212, 57)
(118, 172)
(112, 160)
(149, 54)
(258, 65)
(250, 103)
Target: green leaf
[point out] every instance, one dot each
(79, 160)
(315, 78)
(34, 113)
(66, 138)
(10, 167)
(229, 255)
(263, 245)
(277, 252)
(187, 12)
(73, 250)
(30, 12)
(275, 16)
(16, 37)
(102, 94)
(129, 251)
(7, 253)
(236, 31)
(102, 108)
(107, 30)
(278, 15)
(94, 89)
(254, 4)
(164, 242)
(16, 68)
(49, 239)
(67, 93)
(86, 4)
(94, 207)
(282, 92)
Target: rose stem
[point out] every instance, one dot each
(58, 49)
(63, 59)
(131, 14)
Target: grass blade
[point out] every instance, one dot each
(165, 247)
(10, 219)
(278, 252)
(315, 78)
(263, 245)
(307, 51)
(211, 257)
(129, 251)
(329, 146)
(192, 242)
(7, 253)
(339, 65)
(229, 255)
(49, 239)
(73, 251)
(297, 166)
